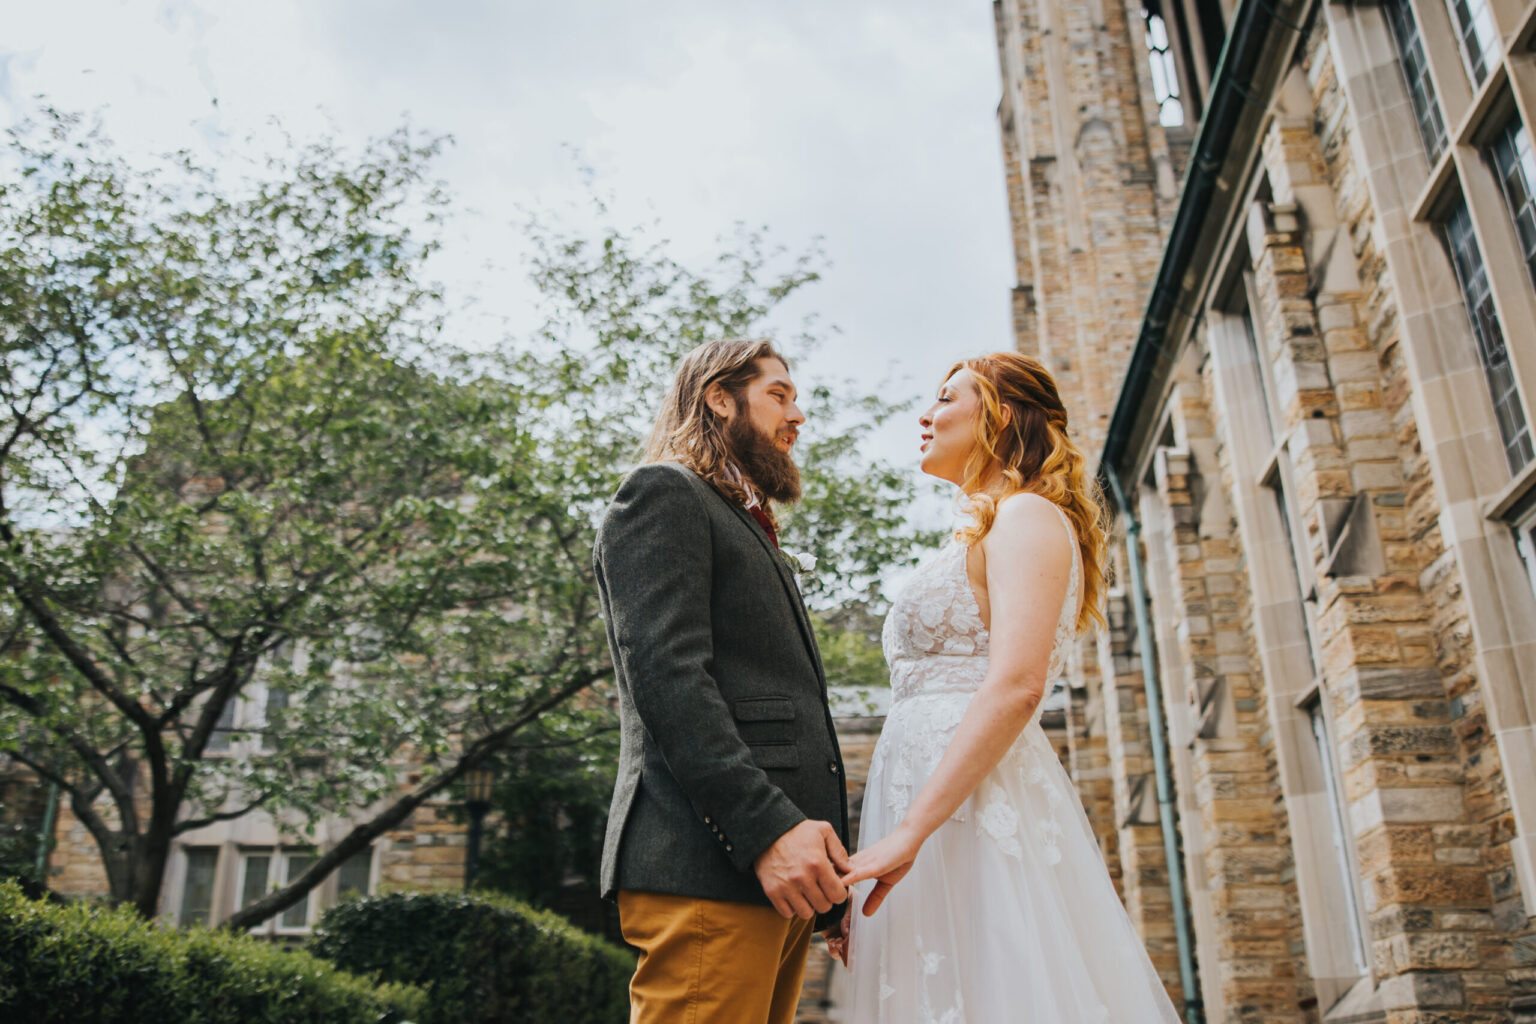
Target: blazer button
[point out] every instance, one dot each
(833, 768)
(729, 847)
(707, 819)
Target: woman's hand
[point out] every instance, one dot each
(887, 862)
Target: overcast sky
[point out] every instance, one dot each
(868, 123)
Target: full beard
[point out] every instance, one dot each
(772, 471)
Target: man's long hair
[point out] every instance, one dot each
(689, 432)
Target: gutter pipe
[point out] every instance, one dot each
(45, 837)
(1194, 1005)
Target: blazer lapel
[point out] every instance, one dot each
(792, 589)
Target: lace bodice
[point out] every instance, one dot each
(934, 639)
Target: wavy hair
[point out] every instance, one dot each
(1029, 449)
(687, 431)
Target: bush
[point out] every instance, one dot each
(482, 959)
(76, 963)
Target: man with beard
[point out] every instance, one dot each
(729, 817)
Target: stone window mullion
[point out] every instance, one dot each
(1417, 80)
(1442, 56)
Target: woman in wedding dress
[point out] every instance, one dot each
(994, 904)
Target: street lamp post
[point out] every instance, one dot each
(477, 800)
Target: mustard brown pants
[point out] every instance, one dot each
(712, 962)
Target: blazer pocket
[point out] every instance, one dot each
(764, 709)
(775, 754)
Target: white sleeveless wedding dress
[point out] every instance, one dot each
(1009, 913)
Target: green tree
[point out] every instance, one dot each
(266, 535)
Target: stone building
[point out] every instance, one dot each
(1281, 255)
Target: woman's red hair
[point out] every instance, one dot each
(1022, 444)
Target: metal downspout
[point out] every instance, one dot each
(1194, 1006)
(45, 838)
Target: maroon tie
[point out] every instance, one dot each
(765, 523)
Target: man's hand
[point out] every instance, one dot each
(799, 871)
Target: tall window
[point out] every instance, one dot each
(1325, 748)
(1165, 73)
(276, 701)
(355, 875)
(1478, 37)
(1516, 166)
(197, 891)
(223, 733)
(1489, 333)
(1421, 88)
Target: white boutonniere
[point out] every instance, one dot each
(801, 563)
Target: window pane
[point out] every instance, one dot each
(353, 875)
(1258, 372)
(1472, 275)
(1336, 823)
(297, 916)
(1165, 75)
(223, 729)
(258, 868)
(1525, 535)
(197, 894)
(1421, 88)
(1479, 39)
(277, 700)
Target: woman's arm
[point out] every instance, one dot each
(1028, 555)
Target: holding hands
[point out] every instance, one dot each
(799, 872)
(887, 862)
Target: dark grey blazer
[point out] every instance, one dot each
(726, 741)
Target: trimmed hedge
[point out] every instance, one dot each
(76, 963)
(482, 959)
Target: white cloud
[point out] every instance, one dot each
(867, 122)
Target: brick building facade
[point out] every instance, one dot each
(1282, 258)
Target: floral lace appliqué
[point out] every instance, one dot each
(999, 820)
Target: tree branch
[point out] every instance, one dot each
(189, 824)
(122, 795)
(363, 835)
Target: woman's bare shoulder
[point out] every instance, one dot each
(1029, 524)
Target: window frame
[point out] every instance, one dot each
(1484, 315)
(1514, 129)
(184, 919)
(281, 859)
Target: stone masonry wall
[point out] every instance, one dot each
(1425, 777)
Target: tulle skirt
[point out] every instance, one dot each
(1009, 913)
